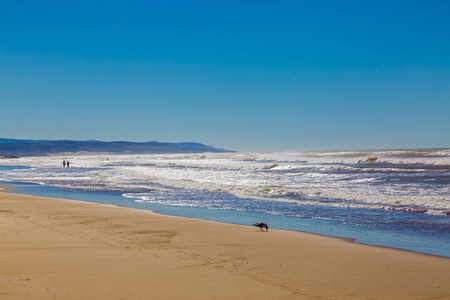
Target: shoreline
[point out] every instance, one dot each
(374, 240)
(75, 249)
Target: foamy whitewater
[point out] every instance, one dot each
(358, 187)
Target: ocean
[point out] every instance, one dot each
(390, 198)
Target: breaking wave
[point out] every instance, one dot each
(396, 180)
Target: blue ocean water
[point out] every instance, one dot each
(392, 204)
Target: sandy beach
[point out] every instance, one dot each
(63, 249)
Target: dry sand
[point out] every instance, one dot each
(62, 249)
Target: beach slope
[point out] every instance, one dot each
(62, 249)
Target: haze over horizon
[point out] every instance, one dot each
(239, 75)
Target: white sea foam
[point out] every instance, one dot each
(402, 179)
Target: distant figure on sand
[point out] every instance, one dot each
(262, 225)
(64, 163)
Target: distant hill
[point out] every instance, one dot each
(13, 147)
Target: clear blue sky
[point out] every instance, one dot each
(243, 75)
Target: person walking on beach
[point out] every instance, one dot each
(64, 163)
(68, 162)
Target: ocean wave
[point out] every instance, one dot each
(403, 180)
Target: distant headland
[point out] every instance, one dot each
(16, 147)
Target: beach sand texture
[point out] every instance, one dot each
(63, 249)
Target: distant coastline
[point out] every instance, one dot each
(12, 148)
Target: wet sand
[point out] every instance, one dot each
(64, 249)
